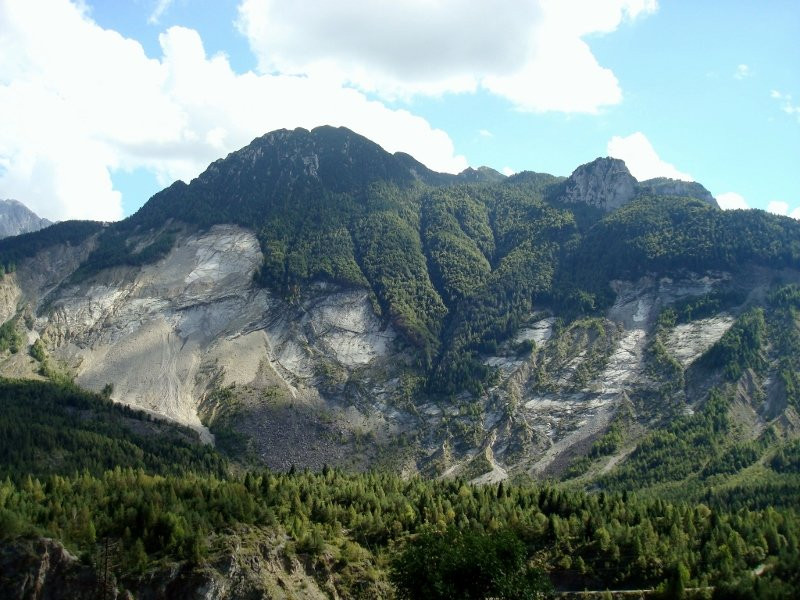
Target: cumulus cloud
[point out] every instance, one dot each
(508, 171)
(532, 53)
(731, 201)
(778, 207)
(78, 101)
(642, 159)
(742, 72)
(787, 104)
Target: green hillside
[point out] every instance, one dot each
(169, 503)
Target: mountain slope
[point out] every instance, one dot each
(313, 299)
(16, 218)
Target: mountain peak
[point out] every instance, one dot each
(608, 184)
(605, 183)
(16, 218)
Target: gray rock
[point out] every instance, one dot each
(16, 218)
(605, 183)
(662, 186)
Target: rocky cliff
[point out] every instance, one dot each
(605, 183)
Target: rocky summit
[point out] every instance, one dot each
(16, 218)
(312, 299)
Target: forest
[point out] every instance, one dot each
(84, 471)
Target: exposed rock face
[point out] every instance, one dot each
(169, 333)
(605, 183)
(256, 565)
(689, 340)
(663, 186)
(16, 218)
(44, 570)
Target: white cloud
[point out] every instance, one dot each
(160, 8)
(508, 171)
(485, 133)
(641, 158)
(530, 52)
(742, 72)
(787, 105)
(778, 207)
(78, 101)
(731, 201)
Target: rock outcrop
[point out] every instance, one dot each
(663, 186)
(16, 218)
(607, 183)
(42, 569)
(604, 183)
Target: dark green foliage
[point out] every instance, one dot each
(784, 330)
(392, 258)
(741, 346)
(19, 247)
(577, 467)
(117, 247)
(681, 448)
(787, 458)
(47, 428)
(455, 536)
(11, 338)
(780, 581)
(458, 240)
(38, 351)
(661, 235)
(737, 457)
(700, 307)
(467, 564)
(598, 541)
(609, 443)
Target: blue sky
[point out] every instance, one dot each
(103, 103)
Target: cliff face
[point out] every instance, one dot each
(168, 334)
(605, 183)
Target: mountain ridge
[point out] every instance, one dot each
(311, 291)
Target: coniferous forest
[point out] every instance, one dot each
(84, 471)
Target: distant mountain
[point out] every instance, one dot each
(16, 218)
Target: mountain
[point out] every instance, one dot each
(312, 299)
(16, 218)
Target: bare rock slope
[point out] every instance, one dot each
(321, 379)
